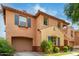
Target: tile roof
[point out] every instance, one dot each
(39, 12)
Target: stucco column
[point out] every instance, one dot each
(56, 41)
(68, 43)
(9, 40)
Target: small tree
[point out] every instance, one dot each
(47, 46)
(44, 45)
(50, 46)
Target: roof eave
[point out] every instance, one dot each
(40, 12)
(17, 11)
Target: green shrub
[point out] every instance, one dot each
(5, 48)
(65, 48)
(47, 46)
(71, 48)
(44, 45)
(56, 49)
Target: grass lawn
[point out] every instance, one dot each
(61, 53)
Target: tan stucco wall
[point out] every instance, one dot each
(69, 33)
(13, 30)
(38, 30)
(46, 31)
(40, 20)
(51, 32)
(40, 25)
(76, 40)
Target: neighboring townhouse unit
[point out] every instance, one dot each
(76, 39)
(69, 36)
(25, 32)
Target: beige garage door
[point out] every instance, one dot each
(22, 44)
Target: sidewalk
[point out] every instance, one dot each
(74, 53)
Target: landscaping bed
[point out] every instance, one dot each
(51, 50)
(63, 54)
(59, 54)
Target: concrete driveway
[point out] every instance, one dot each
(28, 54)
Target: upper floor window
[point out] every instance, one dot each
(22, 21)
(16, 20)
(29, 22)
(59, 25)
(45, 21)
(71, 33)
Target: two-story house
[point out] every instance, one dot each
(25, 32)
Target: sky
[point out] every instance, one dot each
(55, 9)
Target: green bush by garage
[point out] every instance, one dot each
(5, 48)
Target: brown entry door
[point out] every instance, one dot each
(22, 44)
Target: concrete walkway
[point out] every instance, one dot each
(27, 54)
(39, 54)
(75, 54)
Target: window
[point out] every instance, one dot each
(55, 40)
(59, 25)
(45, 21)
(29, 22)
(58, 41)
(16, 20)
(49, 38)
(71, 33)
(54, 28)
(22, 21)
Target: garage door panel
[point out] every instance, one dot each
(22, 44)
